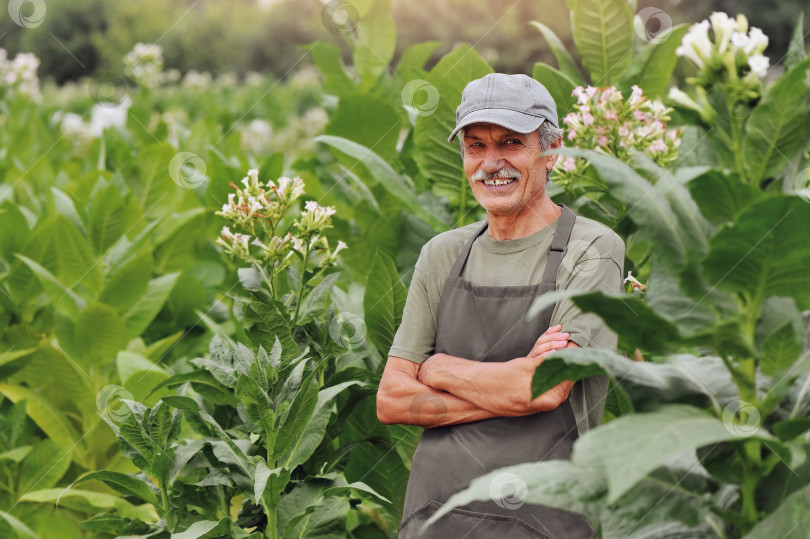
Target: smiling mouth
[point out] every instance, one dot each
(499, 181)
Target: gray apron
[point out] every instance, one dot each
(488, 323)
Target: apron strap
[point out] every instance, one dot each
(458, 266)
(558, 245)
(555, 254)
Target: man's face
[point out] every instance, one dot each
(494, 150)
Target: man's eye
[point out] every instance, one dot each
(513, 141)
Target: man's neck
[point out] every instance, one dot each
(524, 223)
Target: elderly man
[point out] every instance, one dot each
(463, 358)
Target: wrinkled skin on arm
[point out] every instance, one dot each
(447, 390)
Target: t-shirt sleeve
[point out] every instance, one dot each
(595, 266)
(415, 339)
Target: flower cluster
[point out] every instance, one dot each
(731, 57)
(604, 121)
(256, 212)
(144, 64)
(19, 76)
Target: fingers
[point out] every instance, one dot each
(553, 329)
(552, 339)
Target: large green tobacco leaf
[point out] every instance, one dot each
(111, 216)
(637, 325)
(777, 127)
(112, 523)
(791, 519)
(796, 51)
(264, 324)
(383, 302)
(681, 378)
(44, 466)
(19, 527)
(369, 121)
(48, 418)
(565, 63)
(386, 176)
(664, 211)
(100, 334)
(124, 484)
(78, 267)
(291, 432)
(765, 252)
(150, 180)
(657, 502)
(86, 501)
(603, 33)
(721, 196)
(13, 230)
(559, 85)
(204, 529)
(64, 298)
(653, 66)
(413, 59)
(123, 288)
(141, 314)
(630, 447)
(327, 58)
(439, 160)
(376, 40)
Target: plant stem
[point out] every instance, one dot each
(164, 499)
(271, 531)
(303, 285)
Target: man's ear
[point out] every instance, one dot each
(552, 159)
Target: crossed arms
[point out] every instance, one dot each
(448, 390)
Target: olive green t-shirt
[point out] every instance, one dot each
(593, 260)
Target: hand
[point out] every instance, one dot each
(552, 339)
(425, 369)
(552, 398)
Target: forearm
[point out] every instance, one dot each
(404, 400)
(502, 388)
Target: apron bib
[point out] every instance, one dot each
(488, 323)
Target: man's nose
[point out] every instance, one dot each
(493, 161)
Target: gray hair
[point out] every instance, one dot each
(547, 133)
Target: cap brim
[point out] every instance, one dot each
(513, 120)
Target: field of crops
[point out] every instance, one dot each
(201, 277)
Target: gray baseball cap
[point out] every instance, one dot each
(516, 102)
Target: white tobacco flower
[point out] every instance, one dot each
(739, 42)
(289, 189)
(759, 65)
(757, 41)
(635, 97)
(723, 28)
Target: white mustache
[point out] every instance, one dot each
(505, 172)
